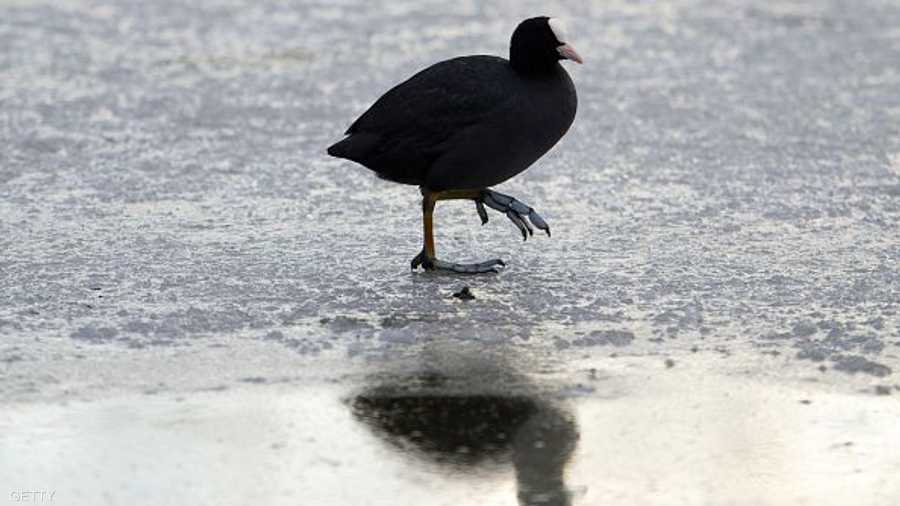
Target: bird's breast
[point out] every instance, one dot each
(550, 111)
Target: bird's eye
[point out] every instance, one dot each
(559, 29)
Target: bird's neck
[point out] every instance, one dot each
(532, 67)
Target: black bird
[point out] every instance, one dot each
(468, 123)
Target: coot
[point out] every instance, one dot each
(468, 123)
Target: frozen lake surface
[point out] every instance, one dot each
(198, 306)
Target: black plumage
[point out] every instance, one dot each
(468, 122)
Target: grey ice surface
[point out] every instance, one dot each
(194, 298)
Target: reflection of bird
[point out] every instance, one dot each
(468, 123)
(445, 424)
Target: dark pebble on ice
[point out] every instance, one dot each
(256, 380)
(464, 294)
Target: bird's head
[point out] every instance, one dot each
(539, 43)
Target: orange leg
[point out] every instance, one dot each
(521, 215)
(427, 258)
(428, 202)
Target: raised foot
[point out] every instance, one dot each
(433, 264)
(516, 211)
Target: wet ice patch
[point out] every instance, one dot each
(616, 338)
(95, 335)
(853, 364)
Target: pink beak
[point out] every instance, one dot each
(568, 52)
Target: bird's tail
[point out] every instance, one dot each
(354, 147)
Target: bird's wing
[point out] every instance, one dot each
(451, 93)
(410, 123)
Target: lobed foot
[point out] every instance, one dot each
(433, 264)
(515, 210)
